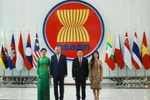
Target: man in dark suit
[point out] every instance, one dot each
(80, 73)
(58, 72)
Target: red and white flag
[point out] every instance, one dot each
(36, 53)
(127, 53)
(20, 55)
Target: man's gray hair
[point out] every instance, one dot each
(58, 47)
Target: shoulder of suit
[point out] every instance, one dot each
(75, 58)
(63, 55)
(84, 58)
(52, 57)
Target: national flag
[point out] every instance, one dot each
(1, 59)
(109, 56)
(36, 53)
(118, 53)
(4, 58)
(28, 54)
(20, 55)
(2, 63)
(136, 58)
(145, 53)
(4, 52)
(12, 57)
(127, 53)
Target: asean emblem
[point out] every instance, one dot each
(73, 25)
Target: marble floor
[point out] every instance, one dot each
(106, 94)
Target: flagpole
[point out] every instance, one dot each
(117, 65)
(135, 69)
(12, 72)
(20, 72)
(126, 71)
(135, 72)
(125, 64)
(28, 73)
(10, 55)
(118, 71)
(144, 69)
(109, 72)
(3, 72)
(109, 68)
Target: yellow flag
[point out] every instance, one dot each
(2, 63)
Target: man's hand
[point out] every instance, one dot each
(86, 78)
(74, 78)
(90, 79)
(51, 76)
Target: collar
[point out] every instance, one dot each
(43, 56)
(80, 58)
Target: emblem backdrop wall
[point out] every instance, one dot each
(28, 15)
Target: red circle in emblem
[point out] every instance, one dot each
(92, 28)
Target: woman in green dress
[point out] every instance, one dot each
(43, 74)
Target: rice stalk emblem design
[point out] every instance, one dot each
(73, 29)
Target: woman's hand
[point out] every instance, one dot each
(90, 78)
(38, 76)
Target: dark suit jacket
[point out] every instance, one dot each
(58, 68)
(80, 71)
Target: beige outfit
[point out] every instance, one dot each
(96, 74)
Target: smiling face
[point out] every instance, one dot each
(96, 56)
(80, 54)
(43, 52)
(58, 50)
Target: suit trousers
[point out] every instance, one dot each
(59, 81)
(80, 83)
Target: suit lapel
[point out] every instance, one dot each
(55, 58)
(82, 62)
(78, 61)
(60, 57)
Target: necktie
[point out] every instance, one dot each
(80, 62)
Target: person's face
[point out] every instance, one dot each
(95, 55)
(79, 54)
(58, 50)
(44, 52)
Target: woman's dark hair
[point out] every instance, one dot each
(43, 49)
(93, 59)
